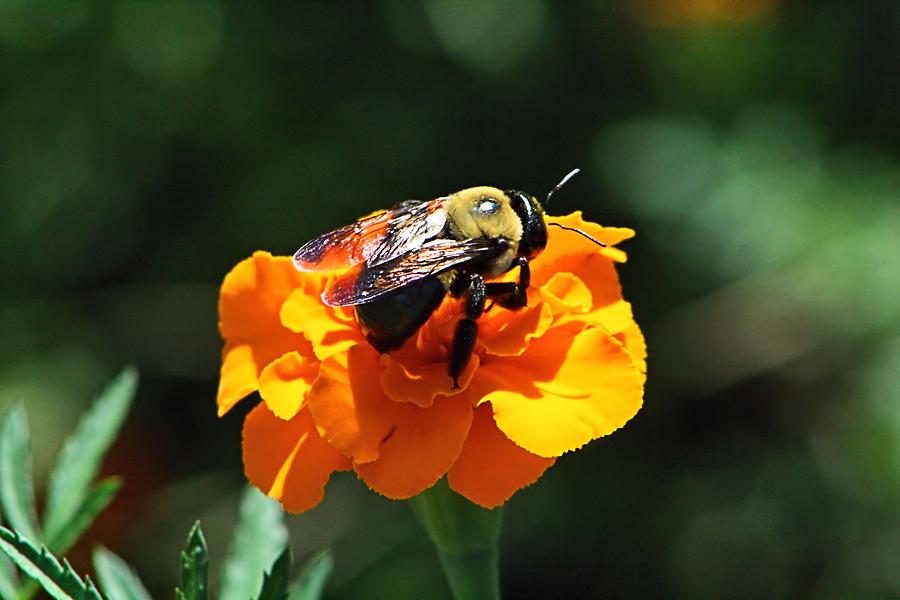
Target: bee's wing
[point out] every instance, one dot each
(375, 239)
(366, 282)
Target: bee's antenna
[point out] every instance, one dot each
(578, 231)
(565, 180)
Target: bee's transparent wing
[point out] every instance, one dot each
(366, 283)
(375, 239)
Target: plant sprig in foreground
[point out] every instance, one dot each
(258, 564)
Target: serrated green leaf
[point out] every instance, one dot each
(79, 460)
(194, 567)
(274, 586)
(117, 580)
(16, 487)
(315, 574)
(9, 579)
(59, 580)
(258, 538)
(100, 497)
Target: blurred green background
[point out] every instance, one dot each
(145, 148)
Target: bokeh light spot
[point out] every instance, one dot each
(173, 39)
(35, 25)
(489, 36)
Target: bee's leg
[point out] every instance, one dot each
(512, 295)
(460, 284)
(467, 329)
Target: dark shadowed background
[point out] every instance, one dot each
(145, 148)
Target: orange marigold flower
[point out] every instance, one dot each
(543, 380)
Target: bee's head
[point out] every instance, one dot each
(534, 228)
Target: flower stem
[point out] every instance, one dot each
(465, 536)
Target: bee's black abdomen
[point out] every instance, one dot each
(389, 321)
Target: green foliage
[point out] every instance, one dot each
(119, 582)
(82, 454)
(59, 580)
(96, 501)
(194, 567)
(116, 578)
(275, 582)
(8, 579)
(259, 537)
(258, 563)
(314, 576)
(73, 500)
(16, 489)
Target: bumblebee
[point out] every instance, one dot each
(397, 266)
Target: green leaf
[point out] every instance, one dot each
(117, 579)
(16, 488)
(79, 460)
(99, 498)
(194, 567)
(275, 582)
(311, 583)
(8, 579)
(258, 538)
(59, 580)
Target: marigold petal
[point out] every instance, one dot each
(563, 242)
(285, 383)
(491, 468)
(249, 303)
(330, 329)
(237, 376)
(349, 406)
(567, 293)
(508, 332)
(565, 390)
(421, 382)
(252, 294)
(596, 272)
(287, 459)
(634, 342)
(617, 318)
(422, 445)
(398, 448)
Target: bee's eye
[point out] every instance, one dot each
(488, 206)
